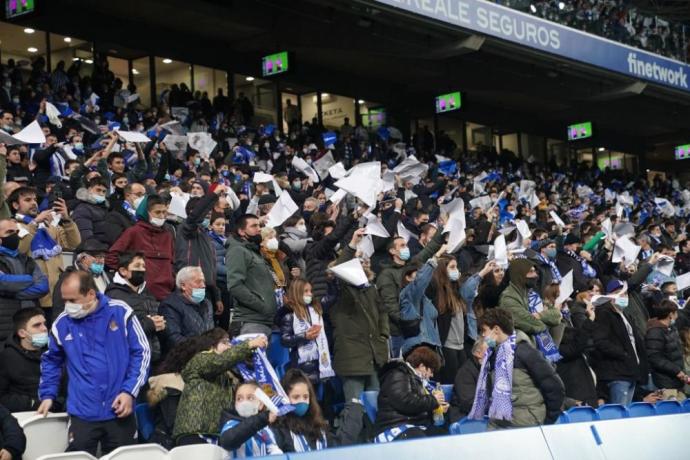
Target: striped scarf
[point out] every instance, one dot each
(544, 341)
(587, 269)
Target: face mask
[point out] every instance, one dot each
(673, 322)
(307, 215)
(272, 245)
(198, 294)
(297, 185)
(197, 161)
(157, 222)
(256, 239)
(75, 310)
(266, 145)
(404, 254)
(225, 173)
(551, 253)
(39, 340)
(138, 201)
(301, 409)
(138, 277)
(206, 222)
(490, 342)
(307, 299)
(11, 242)
(96, 268)
(98, 199)
(531, 283)
(302, 228)
(247, 408)
(622, 302)
(454, 275)
(79, 146)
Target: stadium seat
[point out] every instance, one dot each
(371, 404)
(277, 354)
(200, 451)
(581, 414)
(447, 392)
(668, 408)
(641, 409)
(612, 411)
(138, 452)
(81, 455)
(45, 435)
(686, 405)
(468, 426)
(145, 422)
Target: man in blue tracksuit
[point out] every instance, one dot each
(103, 346)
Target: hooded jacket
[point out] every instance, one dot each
(20, 372)
(665, 354)
(90, 217)
(318, 254)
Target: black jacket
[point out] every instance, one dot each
(234, 438)
(20, 372)
(293, 341)
(144, 305)
(464, 390)
(12, 436)
(402, 398)
(665, 355)
(565, 263)
(576, 345)
(91, 219)
(318, 254)
(184, 318)
(615, 356)
(117, 221)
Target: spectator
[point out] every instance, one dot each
(123, 214)
(105, 351)
(20, 361)
(208, 391)
(12, 439)
(151, 238)
(16, 171)
(665, 352)
(536, 394)
(249, 280)
(621, 356)
(571, 259)
(465, 384)
(22, 283)
(406, 399)
(129, 286)
(90, 212)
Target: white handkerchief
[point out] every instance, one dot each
(281, 211)
(32, 134)
(683, 281)
(557, 219)
(302, 166)
(351, 272)
(625, 251)
(178, 204)
(405, 233)
(501, 251)
(337, 171)
(375, 227)
(133, 136)
(366, 246)
(566, 287)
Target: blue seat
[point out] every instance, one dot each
(686, 405)
(370, 401)
(469, 426)
(612, 411)
(641, 409)
(581, 414)
(447, 392)
(668, 408)
(277, 353)
(145, 421)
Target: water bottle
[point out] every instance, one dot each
(438, 412)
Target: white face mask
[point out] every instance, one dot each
(138, 201)
(272, 245)
(301, 228)
(247, 408)
(157, 222)
(75, 310)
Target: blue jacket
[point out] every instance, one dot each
(468, 292)
(106, 353)
(219, 246)
(412, 297)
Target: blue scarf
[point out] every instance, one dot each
(129, 209)
(262, 443)
(545, 342)
(500, 404)
(555, 273)
(392, 433)
(587, 269)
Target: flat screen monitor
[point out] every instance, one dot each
(580, 131)
(682, 152)
(274, 64)
(448, 102)
(14, 8)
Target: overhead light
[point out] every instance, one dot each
(135, 71)
(29, 30)
(601, 149)
(89, 61)
(561, 5)
(361, 101)
(75, 59)
(533, 8)
(31, 49)
(67, 40)
(167, 61)
(249, 78)
(325, 94)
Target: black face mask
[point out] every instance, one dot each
(138, 277)
(531, 283)
(11, 242)
(256, 239)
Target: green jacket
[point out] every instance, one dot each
(360, 327)
(4, 209)
(514, 299)
(207, 390)
(390, 279)
(250, 282)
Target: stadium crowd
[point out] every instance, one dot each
(379, 265)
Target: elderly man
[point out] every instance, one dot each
(187, 312)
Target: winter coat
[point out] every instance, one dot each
(221, 269)
(22, 284)
(207, 390)
(402, 398)
(144, 305)
(293, 341)
(117, 222)
(537, 394)
(318, 254)
(90, 218)
(184, 318)
(12, 437)
(156, 243)
(464, 388)
(20, 372)
(66, 234)
(360, 327)
(297, 241)
(389, 280)
(665, 355)
(415, 305)
(250, 283)
(565, 263)
(576, 345)
(615, 355)
(4, 208)
(163, 397)
(245, 428)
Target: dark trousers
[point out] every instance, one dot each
(111, 434)
(454, 359)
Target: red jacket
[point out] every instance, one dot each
(156, 243)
